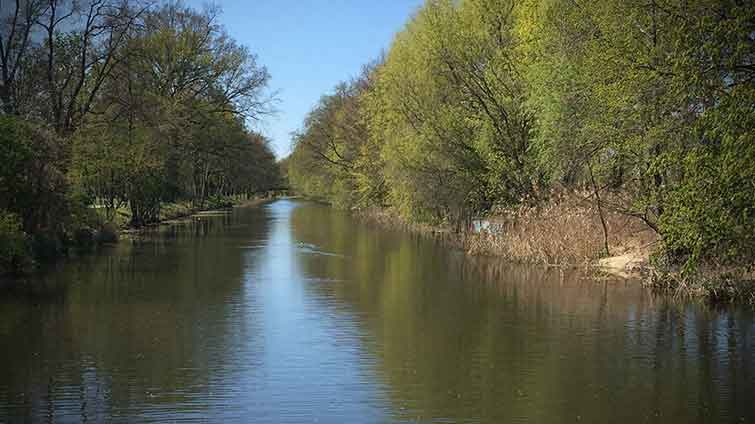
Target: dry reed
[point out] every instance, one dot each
(565, 231)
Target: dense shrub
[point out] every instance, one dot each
(15, 253)
(711, 213)
(32, 185)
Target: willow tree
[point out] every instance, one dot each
(650, 99)
(449, 105)
(328, 157)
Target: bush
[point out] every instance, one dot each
(219, 202)
(32, 183)
(710, 219)
(108, 233)
(15, 254)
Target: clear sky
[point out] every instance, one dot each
(309, 46)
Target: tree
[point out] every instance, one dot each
(175, 104)
(113, 103)
(327, 158)
(646, 93)
(449, 104)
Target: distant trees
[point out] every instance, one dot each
(124, 103)
(484, 104)
(326, 160)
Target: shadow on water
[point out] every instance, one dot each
(295, 312)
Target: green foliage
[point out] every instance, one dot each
(171, 126)
(711, 211)
(417, 112)
(32, 184)
(124, 107)
(658, 98)
(484, 104)
(15, 254)
(442, 128)
(16, 153)
(328, 159)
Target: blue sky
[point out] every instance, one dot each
(309, 46)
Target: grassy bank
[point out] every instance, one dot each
(566, 232)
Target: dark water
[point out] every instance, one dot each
(292, 312)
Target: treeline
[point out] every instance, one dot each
(119, 106)
(487, 105)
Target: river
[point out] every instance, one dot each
(293, 312)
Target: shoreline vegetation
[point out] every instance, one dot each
(536, 238)
(119, 114)
(110, 232)
(176, 212)
(110, 235)
(617, 134)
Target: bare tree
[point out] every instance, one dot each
(62, 51)
(17, 23)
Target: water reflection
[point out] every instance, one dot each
(131, 331)
(293, 312)
(465, 340)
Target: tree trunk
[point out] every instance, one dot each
(600, 210)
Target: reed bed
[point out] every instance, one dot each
(566, 231)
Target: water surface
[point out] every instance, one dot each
(294, 312)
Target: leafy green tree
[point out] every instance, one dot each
(449, 105)
(485, 104)
(652, 96)
(327, 161)
(113, 103)
(173, 113)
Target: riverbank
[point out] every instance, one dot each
(173, 213)
(567, 233)
(562, 233)
(21, 255)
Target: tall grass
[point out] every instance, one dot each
(564, 231)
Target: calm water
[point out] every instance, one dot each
(293, 312)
